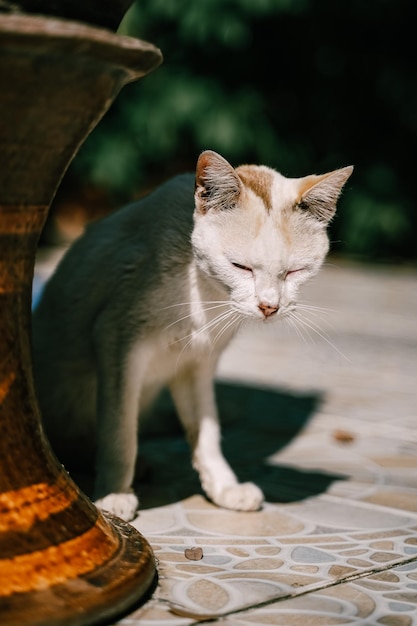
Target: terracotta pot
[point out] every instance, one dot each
(61, 560)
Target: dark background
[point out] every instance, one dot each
(304, 86)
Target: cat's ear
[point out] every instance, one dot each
(217, 186)
(319, 194)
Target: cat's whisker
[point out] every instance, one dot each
(195, 334)
(223, 327)
(306, 321)
(294, 325)
(328, 264)
(191, 302)
(181, 319)
(313, 327)
(235, 317)
(313, 307)
(315, 311)
(192, 337)
(304, 328)
(215, 322)
(315, 314)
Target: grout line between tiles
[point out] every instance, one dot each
(177, 609)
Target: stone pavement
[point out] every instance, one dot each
(324, 419)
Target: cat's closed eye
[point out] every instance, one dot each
(289, 272)
(242, 267)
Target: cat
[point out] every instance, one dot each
(151, 295)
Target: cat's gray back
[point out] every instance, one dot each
(108, 276)
(140, 243)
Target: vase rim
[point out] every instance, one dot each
(135, 55)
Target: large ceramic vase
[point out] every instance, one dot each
(61, 560)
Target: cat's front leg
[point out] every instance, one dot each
(193, 394)
(115, 468)
(117, 416)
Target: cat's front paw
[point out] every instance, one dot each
(122, 505)
(241, 497)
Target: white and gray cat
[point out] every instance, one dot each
(151, 295)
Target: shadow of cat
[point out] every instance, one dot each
(256, 424)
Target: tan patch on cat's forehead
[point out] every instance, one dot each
(259, 181)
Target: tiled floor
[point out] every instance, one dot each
(330, 434)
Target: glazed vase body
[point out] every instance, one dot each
(61, 560)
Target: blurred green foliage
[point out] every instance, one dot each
(300, 85)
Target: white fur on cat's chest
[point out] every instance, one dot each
(154, 362)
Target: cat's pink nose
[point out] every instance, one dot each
(268, 310)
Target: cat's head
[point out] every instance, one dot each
(260, 234)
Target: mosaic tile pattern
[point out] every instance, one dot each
(329, 433)
(388, 598)
(280, 552)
